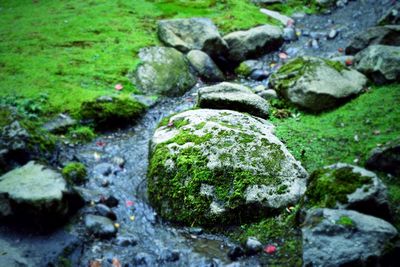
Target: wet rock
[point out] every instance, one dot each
(235, 253)
(317, 84)
(104, 169)
(259, 75)
(314, 44)
(325, 3)
(344, 238)
(192, 34)
(12, 256)
(253, 246)
(110, 201)
(105, 211)
(147, 101)
(169, 256)
(247, 67)
(111, 112)
(119, 161)
(266, 2)
(381, 63)
(341, 3)
(348, 187)
(332, 34)
(232, 96)
(37, 192)
(144, 259)
(227, 151)
(268, 94)
(205, 66)
(392, 16)
(60, 124)
(125, 241)
(163, 71)
(253, 43)
(196, 231)
(386, 159)
(386, 35)
(289, 34)
(100, 226)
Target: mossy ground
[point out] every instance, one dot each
(74, 173)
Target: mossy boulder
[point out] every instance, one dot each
(234, 97)
(381, 63)
(36, 192)
(112, 112)
(253, 43)
(163, 71)
(346, 238)
(317, 84)
(247, 67)
(346, 186)
(74, 173)
(190, 34)
(216, 167)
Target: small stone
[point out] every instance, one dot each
(111, 201)
(289, 34)
(105, 211)
(235, 253)
(253, 246)
(259, 75)
(196, 231)
(125, 241)
(314, 44)
(100, 226)
(118, 161)
(332, 34)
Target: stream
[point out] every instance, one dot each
(117, 165)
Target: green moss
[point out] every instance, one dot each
(181, 200)
(338, 66)
(5, 116)
(74, 173)
(328, 186)
(114, 112)
(243, 70)
(346, 222)
(82, 134)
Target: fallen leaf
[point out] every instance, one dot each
(340, 50)
(170, 124)
(270, 249)
(118, 87)
(117, 225)
(129, 203)
(96, 156)
(349, 62)
(283, 55)
(132, 218)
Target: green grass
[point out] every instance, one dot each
(74, 50)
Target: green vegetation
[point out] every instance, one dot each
(243, 69)
(112, 112)
(81, 134)
(74, 173)
(326, 187)
(346, 222)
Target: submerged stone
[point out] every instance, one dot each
(216, 167)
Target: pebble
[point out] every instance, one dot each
(332, 34)
(259, 75)
(105, 211)
(196, 231)
(125, 241)
(111, 201)
(100, 226)
(314, 44)
(289, 34)
(253, 246)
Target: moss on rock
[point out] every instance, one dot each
(329, 186)
(112, 111)
(74, 173)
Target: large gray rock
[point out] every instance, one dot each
(192, 34)
(205, 66)
(234, 97)
(36, 191)
(392, 16)
(386, 159)
(385, 35)
(100, 226)
(212, 167)
(164, 71)
(344, 238)
(381, 63)
(253, 42)
(317, 84)
(346, 186)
